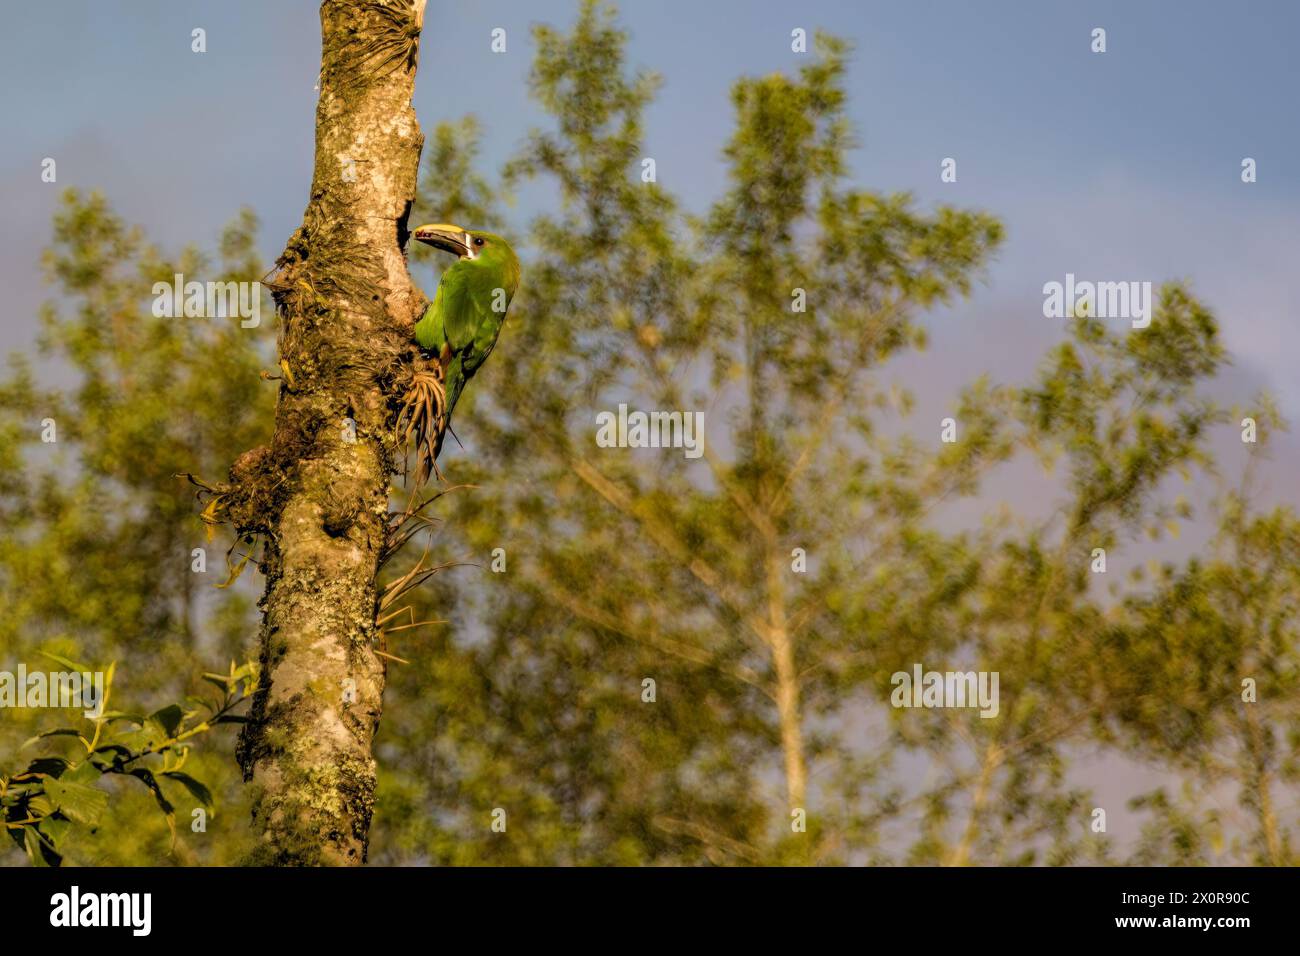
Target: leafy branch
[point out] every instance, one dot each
(42, 804)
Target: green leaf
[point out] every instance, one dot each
(77, 801)
(60, 732)
(18, 834)
(149, 780)
(200, 792)
(32, 844)
(113, 755)
(51, 766)
(71, 665)
(168, 718)
(54, 828)
(84, 772)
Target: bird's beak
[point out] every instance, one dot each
(446, 237)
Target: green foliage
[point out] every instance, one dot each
(45, 805)
(96, 530)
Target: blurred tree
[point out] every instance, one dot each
(97, 535)
(1123, 412)
(774, 313)
(1208, 686)
(626, 566)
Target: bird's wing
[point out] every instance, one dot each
(462, 314)
(484, 341)
(428, 331)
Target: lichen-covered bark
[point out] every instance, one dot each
(318, 495)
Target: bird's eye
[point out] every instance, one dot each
(478, 242)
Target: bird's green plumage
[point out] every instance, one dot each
(462, 323)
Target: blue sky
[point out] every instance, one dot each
(1121, 165)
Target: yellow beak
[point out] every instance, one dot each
(444, 236)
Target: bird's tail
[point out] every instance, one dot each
(453, 385)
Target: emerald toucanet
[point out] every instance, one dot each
(461, 325)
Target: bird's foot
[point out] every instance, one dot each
(422, 419)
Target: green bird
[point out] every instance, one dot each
(461, 325)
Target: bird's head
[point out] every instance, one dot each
(482, 247)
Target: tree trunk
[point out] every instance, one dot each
(787, 684)
(319, 494)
